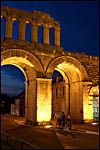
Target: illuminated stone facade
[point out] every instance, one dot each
(59, 95)
(38, 61)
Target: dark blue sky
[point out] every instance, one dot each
(12, 80)
(79, 22)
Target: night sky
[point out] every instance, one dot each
(79, 22)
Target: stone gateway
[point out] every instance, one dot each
(38, 62)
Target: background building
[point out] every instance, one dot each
(18, 105)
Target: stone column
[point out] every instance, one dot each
(34, 28)
(45, 34)
(30, 96)
(26, 100)
(86, 113)
(8, 27)
(44, 98)
(21, 30)
(31, 107)
(76, 102)
(67, 97)
(57, 36)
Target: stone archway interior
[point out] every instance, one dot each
(13, 84)
(69, 98)
(30, 84)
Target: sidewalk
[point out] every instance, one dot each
(88, 127)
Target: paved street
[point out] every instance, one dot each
(80, 137)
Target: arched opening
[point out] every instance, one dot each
(2, 28)
(58, 93)
(40, 39)
(51, 41)
(29, 68)
(15, 30)
(70, 90)
(13, 88)
(27, 31)
(66, 91)
(93, 103)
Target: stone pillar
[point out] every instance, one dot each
(26, 101)
(31, 107)
(67, 97)
(44, 98)
(21, 30)
(30, 96)
(76, 99)
(45, 34)
(86, 113)
(56, 36)
(34, 33)
(8, 27)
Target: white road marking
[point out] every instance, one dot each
(20, 122)
(80, 131)
(84, 131)
(66, 129)
(91, 132)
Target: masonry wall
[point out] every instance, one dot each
(90, 63)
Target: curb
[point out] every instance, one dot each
(16, 143)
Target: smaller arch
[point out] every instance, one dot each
(94, 88)
(14, 29)
(71, 62)
(40, 34)
(51, 36)
(3, 23)
(67, 79)
(27, 31)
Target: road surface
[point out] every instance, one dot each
(77, 138)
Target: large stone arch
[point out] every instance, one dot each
(24, 55)
(31, 68)
(74, 74)
(69, 60)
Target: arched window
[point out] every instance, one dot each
(27, 32)
(15, 30)
(2, 27)
(40, 40)
(51, 42)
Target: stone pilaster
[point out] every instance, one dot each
(86, 113)
(26, 100)
(32, 108)
(45, 34)
(8, 27)
(67, 98)
(56, 36)
(30, 96)
(34, 33)
(76, 99)
(44, 97)
(21, 30)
